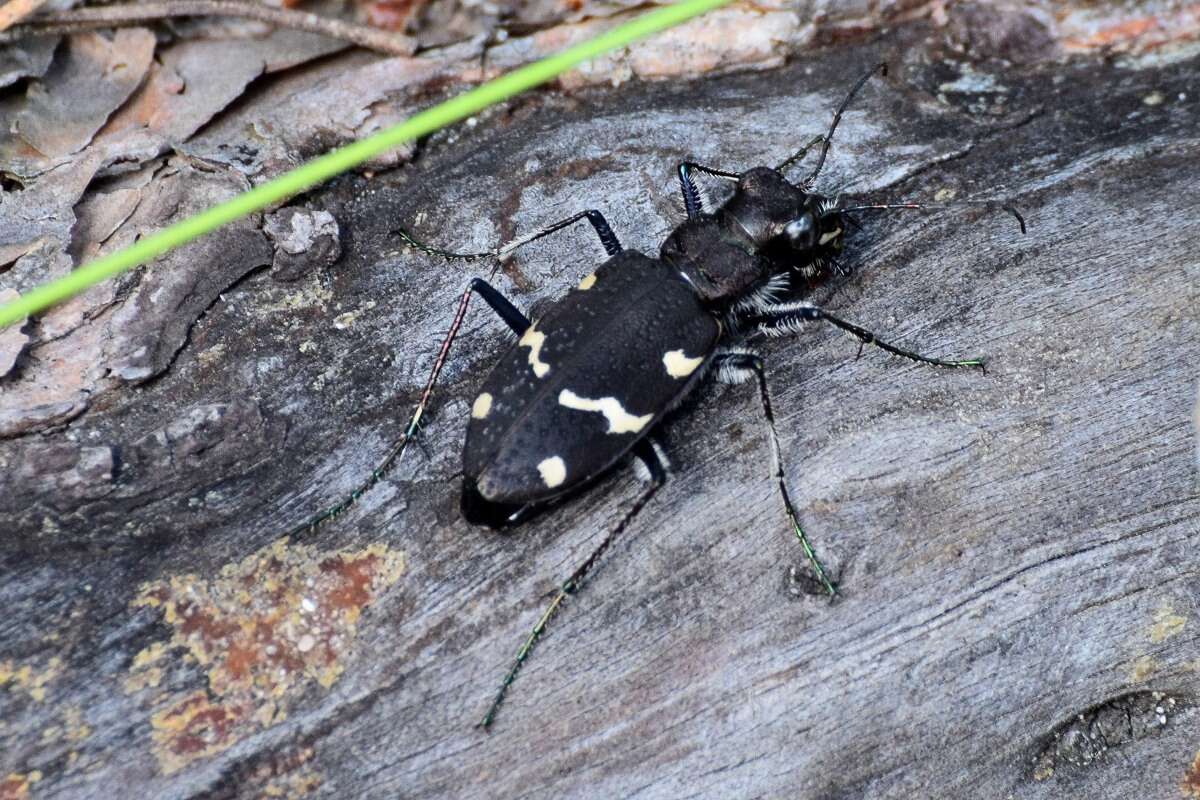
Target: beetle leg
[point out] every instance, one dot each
(788, 318)
(691, 195)
(738, 366)
(608, 239)
(647, 453)
(396, 452)
(505, 310)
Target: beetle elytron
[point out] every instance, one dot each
(587, 381)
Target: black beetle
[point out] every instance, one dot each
(589, 379)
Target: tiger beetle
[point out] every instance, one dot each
(585, 384)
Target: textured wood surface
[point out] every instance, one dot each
(1016, 550)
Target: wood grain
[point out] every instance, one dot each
(1015, 549)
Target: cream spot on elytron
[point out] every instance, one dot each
(826, 238)
(534, 339)
(553, 471)
(481, 406)
(679, 365)
(588, 282)
(619, 420)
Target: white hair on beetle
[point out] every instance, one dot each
(731, 374)
(766, 295)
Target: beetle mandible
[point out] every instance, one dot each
(588, 380)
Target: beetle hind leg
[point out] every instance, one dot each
(654, 462)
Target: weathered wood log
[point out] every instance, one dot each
(1015, 550)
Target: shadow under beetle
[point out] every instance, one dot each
(589, 379)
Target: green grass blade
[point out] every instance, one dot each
(348, 157)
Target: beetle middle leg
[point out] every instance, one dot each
(789, 318)
(738, 366)
(607, 238)
(645, 452)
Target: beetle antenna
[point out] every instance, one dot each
(882, 69)
(881, 206)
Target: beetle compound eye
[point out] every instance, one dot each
(799, 232)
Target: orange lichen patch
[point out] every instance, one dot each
(193, 727)
(30, 679)
(262, 629)
(1190, 786)
(145, 673)
(72, 730)
(15, 786)
(1130, 34)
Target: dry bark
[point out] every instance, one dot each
(1015, 550)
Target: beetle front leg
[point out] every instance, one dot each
(799, 154)
(691, 194)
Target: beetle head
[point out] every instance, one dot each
(813, 238)
(790, 226)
